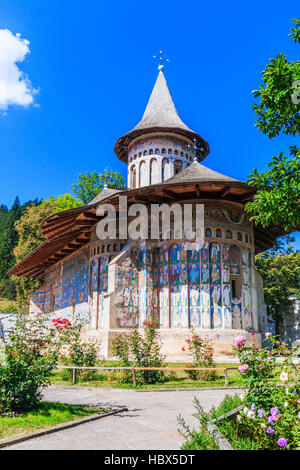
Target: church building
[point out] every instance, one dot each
(117, 284)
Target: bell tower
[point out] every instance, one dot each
(160, 145)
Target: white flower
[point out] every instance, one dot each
(251, 414)
(242, 395)
(245, 410)
(286, 404)
(239, 418)
(284, 377)
(287, 390)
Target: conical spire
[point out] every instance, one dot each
(160, 115)
(161, 110)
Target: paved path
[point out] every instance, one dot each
(149, 424)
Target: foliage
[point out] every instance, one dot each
(202, 439)
(8, 240)
(295, 32)
(8, 306)
(201, 352)
(32, 351)
(271, 414)
(63, 202)
(283, 246)
(277, 199)
(91, 184)
(135, 349)
(29, 238)
(79, 353)
(281, 276)
(276, 109)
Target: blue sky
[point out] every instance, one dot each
(92, 64)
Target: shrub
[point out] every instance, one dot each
(135, 349)
(31, 353)
(271, 414)
(201, 352)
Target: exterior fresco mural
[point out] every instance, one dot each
(176, 287)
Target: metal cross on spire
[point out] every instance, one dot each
(196, 149)
(161, 59)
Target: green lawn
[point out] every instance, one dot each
(177, 379)
(47, 415)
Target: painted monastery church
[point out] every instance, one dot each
(117, 284)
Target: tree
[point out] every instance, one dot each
(278, 110)
(63, 202)
(278, 195)
(91, 184)
(29, 238)
(281, 276)
(8, 240)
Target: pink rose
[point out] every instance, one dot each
(243, 368)
(239, 342)
(267, 335)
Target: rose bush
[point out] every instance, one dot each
(201, 352)
(140, 350)
(271, 413)
(32, 351)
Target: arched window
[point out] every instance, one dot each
(103, 249)
(229, 234)
(165, 169)
(246, 237)
(133, 177)
(208, 232)
(153, 170)
(140, 154)
(157, 152)
(219, 233)
(142, 174)
(108, 248)
(177, 167)
(181, 154)
(163, 151)
(135, 155)
(239, 236)
(170, 151)
(121, 246)
(175, 152)
(145, 152)
(116, 247)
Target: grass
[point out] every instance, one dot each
(202, 440)
(180, 379)
(8, 306)
(48, 414)
(174, 379)
(229, 430)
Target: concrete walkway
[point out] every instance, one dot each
(149, 424)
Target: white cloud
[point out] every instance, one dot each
(15, 87)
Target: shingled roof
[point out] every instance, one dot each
(198, 173)
(160, 115)
(105, 193)
(161, 110)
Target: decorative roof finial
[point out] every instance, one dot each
(161, 59)
(195, 148)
